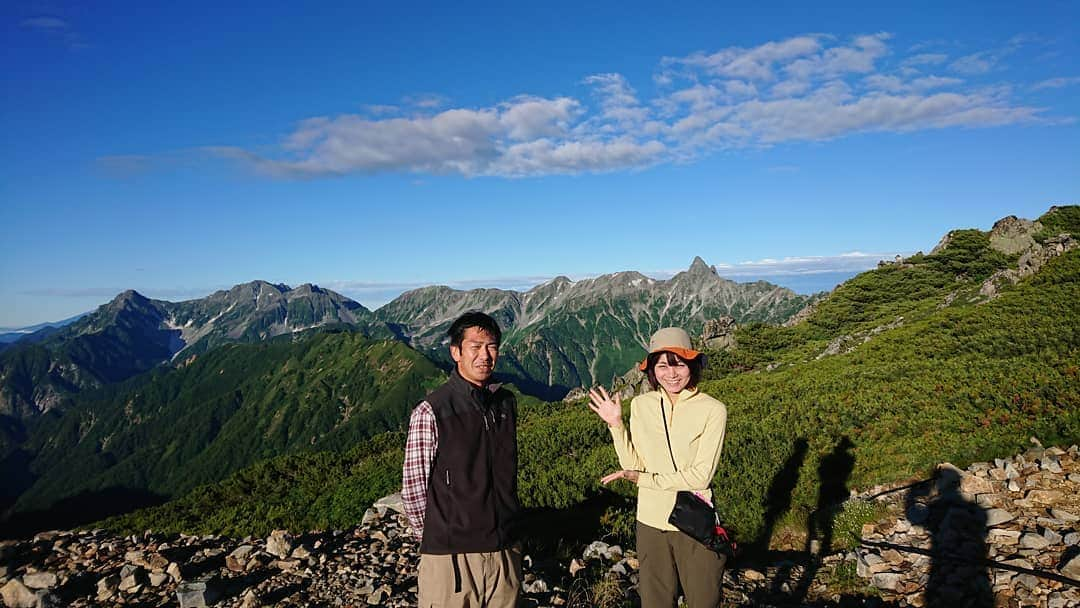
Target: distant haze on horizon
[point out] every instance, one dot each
(181, 149)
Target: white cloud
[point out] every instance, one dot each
(976, 63)
(925, 59)
(750, 64)
(858, 58)
(895, 84)
(806, 88)
(1056, 83)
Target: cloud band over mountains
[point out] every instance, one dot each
(806, 88)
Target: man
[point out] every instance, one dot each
(460, 478)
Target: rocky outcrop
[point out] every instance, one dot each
(1011, 235)
(719, 334)
(1033, 258)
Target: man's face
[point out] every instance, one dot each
(476, 356)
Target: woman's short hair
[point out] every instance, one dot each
(671, 359)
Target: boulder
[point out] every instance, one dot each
(17, 595)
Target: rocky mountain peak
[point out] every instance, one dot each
(698, 266)
(129, 296)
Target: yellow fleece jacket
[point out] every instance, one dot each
(696, 426)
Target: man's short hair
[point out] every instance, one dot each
(671, 359)
(473, 319)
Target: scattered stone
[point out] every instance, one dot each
(392, 502)
(40, 580)
(576, 565)
(886, 580)
(196, 594)
(17, 595)
(929, 539)
(996, 517)
(1072, 568)
(1033, 541)
(1063, 515)
(278, 544)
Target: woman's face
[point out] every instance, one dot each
(672, 376)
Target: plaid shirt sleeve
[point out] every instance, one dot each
(420, 447)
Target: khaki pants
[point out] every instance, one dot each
(671, 559)
(487, 580)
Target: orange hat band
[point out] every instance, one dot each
(686, 354)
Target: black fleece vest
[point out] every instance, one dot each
(472, 503)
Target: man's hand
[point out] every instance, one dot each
(608, 407)
(631, 476)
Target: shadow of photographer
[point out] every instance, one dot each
(959, 576)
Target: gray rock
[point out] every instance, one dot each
(996, 517)
(1063, 515)
(1033, 541)
(392, 502)
(18, 595)
(596, 550)
(886, 580)
(1072, 568)
(537, 586)
(1052, 537)
(107, 587)
(1051, 464)
(197, 594)
(278, 544)
(40, 580)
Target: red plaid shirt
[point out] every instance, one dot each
(420, 449)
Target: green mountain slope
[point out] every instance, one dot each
(133, 334)
(962, 376)
(172, 429)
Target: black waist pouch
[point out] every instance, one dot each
(699, 520)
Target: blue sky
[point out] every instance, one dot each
(371, 148)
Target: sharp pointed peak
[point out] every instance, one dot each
(699, 265)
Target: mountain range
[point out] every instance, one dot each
(155, 396)
(558, 335)
(565, 334)
(935, 337)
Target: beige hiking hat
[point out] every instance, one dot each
(672, 340)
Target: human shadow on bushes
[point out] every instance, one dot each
(834, 471)
(777, 504)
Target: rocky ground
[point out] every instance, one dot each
(1004, 533)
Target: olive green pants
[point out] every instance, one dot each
(470, 580)
(672, 559)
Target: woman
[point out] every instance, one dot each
(673, 444)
